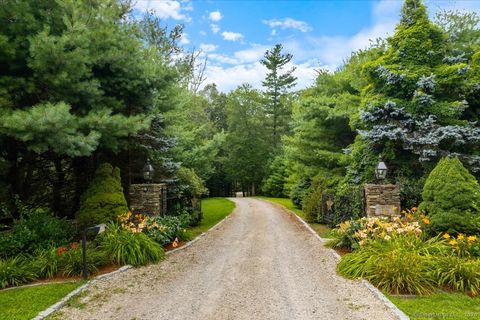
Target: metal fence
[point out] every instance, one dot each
(336, 209)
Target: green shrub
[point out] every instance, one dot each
(16, 271)
(125, 247)
(104, 200)
(190, 184)
(410, 190)
(312, 205)
(164, 230)
(45, 261)
(451, 197)
(312, 200)
(298, 192)
(454, 223)
(459, 274)
(37, 228)
(273, 185)
(70, 262)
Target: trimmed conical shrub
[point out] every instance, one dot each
(451, 197)
(104, 200)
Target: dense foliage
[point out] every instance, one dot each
(35, 229)
(104, 200)
(451, 197)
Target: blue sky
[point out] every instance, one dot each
(233, 35)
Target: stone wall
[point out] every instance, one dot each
(148, 199)
(382, 200)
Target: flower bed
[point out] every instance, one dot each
(398, 256)
(135, 239)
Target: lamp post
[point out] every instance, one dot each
(381, 170)
(148, 171)
(99, 228)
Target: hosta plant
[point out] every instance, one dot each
(164, 230)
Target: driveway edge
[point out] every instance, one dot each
(57, 306)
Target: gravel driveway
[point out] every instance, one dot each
(260, 263)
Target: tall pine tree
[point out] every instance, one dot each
(277, 85)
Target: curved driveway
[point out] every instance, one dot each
(260, 263)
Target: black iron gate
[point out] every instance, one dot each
(336, 209)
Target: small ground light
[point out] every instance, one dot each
(99, 228)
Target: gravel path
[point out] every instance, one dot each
(260, 263)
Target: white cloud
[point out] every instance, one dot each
(255, 53)
(288, 23)
(222, 59)
(166, 8)
(228, 78)
(215, 28)
(202, 33)
(215, 16)
(208, 47)
(184, 39)
(232, 36)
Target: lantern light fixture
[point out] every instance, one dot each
(381, 170)
(148, 171)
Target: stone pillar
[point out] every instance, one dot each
(149, 199)
(382, 200)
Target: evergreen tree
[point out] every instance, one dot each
(78, 81)
(276, 86)
(103, 201)
(413, 110)
(451, 197)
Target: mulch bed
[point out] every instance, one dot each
(170, 246)
(342, 251)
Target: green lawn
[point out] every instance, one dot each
(214, 210)
(26, 303)
(321, 229)
(440, 306)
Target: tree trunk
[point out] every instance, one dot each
(58, 185)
